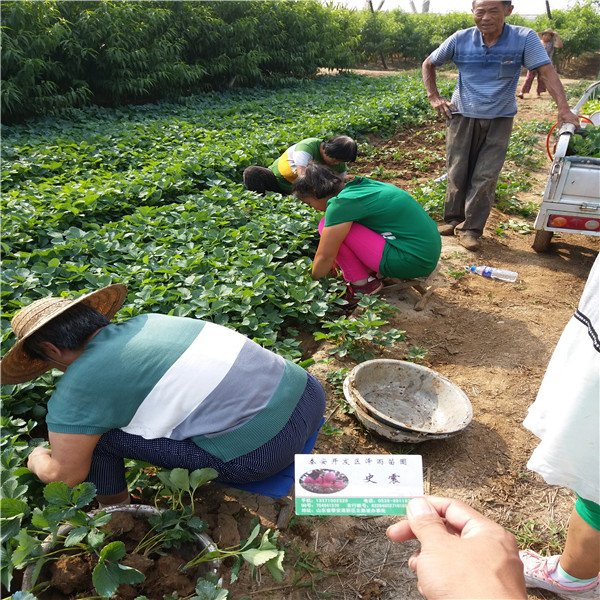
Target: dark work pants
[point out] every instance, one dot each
(107, 471)
(475, 153)
(262, 180)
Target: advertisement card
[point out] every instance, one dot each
(356, 484)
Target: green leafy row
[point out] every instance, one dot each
(102, 163)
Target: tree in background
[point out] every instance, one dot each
(59, 54)
(579, 29)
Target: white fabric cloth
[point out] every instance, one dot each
(565, 415)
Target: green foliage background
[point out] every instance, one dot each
(60, 54)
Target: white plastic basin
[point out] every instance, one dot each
(409, 397)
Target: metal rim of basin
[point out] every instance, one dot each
(136, 509)
(358, 398)
(393, 434)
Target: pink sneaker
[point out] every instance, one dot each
(371, 287)
(537, 571)
(352, 296)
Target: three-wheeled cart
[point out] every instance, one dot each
(571, 202)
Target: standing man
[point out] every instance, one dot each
(480, 114)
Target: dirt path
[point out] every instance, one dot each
(491, 338)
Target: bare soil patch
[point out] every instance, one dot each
(491, 338)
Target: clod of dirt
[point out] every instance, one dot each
(372, 590)
(126, 592)
(138, 561)
(268, 511)
(121, 522)
(70, 574)
(166, 578)
(230, 507)
(351, 534)
(227, 527)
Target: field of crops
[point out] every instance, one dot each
(151, 196)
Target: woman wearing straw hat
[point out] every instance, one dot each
(171, 391)
(550, 40)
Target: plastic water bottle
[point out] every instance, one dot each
(494, 273)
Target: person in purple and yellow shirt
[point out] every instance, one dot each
(334, 152)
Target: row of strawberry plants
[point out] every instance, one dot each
(198, 256)
(102, 164)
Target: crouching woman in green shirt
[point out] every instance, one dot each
(369, 227)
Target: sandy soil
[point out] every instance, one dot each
(491, 338)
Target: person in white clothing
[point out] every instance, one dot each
(566, 418)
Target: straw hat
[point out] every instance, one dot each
(16, 366)
(550, 31)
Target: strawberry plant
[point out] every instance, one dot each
(358, 335)
(255, 550)
(44, 534)
(23, 545)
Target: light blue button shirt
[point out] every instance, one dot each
(488, 76)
